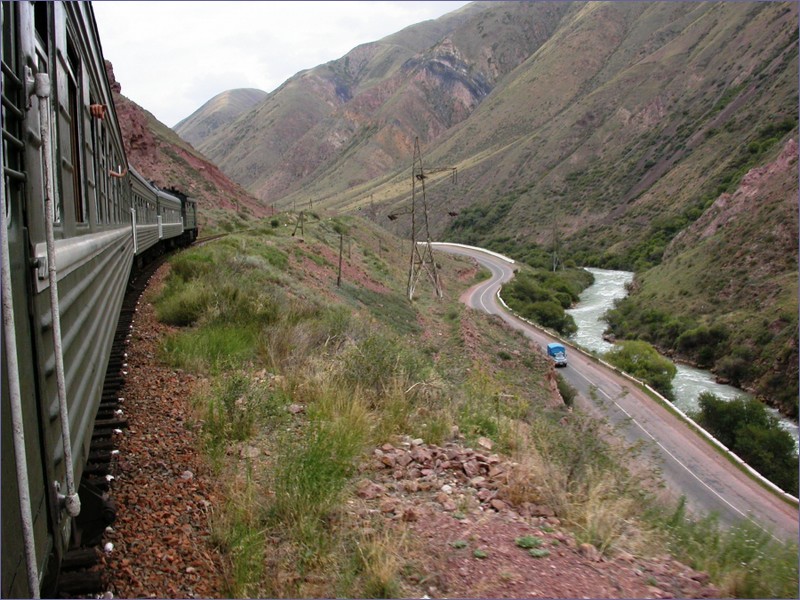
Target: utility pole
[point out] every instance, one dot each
(422, 260)
(339, 277)
(556, 242)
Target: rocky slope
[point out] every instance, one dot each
(734, 270)
(162, 157)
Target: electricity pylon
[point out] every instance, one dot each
(422, 260)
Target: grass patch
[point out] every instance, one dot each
(392, 309)
(238, 531)
(744, 561)
(212, 349)
(528, 541)
(313, 468)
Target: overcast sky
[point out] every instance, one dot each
(172, 57)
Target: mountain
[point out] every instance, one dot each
(592, 108)
(221, 110)
(372, 102)
(609, 126)
(165, 159)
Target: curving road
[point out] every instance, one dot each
(688, 464)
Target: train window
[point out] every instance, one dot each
(117, 186)
(40, 18)
(97, 168)
(12, 112)
(104, 191)
(75, 104)
(114, 200)
(58, 205)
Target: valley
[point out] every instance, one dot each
(657, 138)
(631, 134)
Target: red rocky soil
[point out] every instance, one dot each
(450, 498)
(163, 490)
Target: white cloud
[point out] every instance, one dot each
(171, 57)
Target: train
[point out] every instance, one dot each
(77, 221)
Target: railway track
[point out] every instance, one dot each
(79, 576)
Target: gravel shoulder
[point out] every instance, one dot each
(164, 491)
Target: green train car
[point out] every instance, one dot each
(76, 221)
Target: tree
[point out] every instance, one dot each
(746, 427)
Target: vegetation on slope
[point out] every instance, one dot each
(725, 295)
(314, 377)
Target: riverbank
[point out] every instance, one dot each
(689, 382)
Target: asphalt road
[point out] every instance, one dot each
(688, 464)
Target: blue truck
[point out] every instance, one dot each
(558, 353)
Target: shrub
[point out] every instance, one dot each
(734, 368)
(212, 349)
(641, 360)
(192, 264)
(744, 560)
(312, 469)
(542, 296)
(567, 392)
(702, 342)
(380, 360)
(182, 304)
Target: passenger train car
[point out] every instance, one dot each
(76, 221)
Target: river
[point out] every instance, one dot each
(689, 382)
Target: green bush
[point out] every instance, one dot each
(701, 343)
(182, 303)
(542, 298)
(312, 469)
(214, 348)
(192, 264)
(567, 392)
(641, 360)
